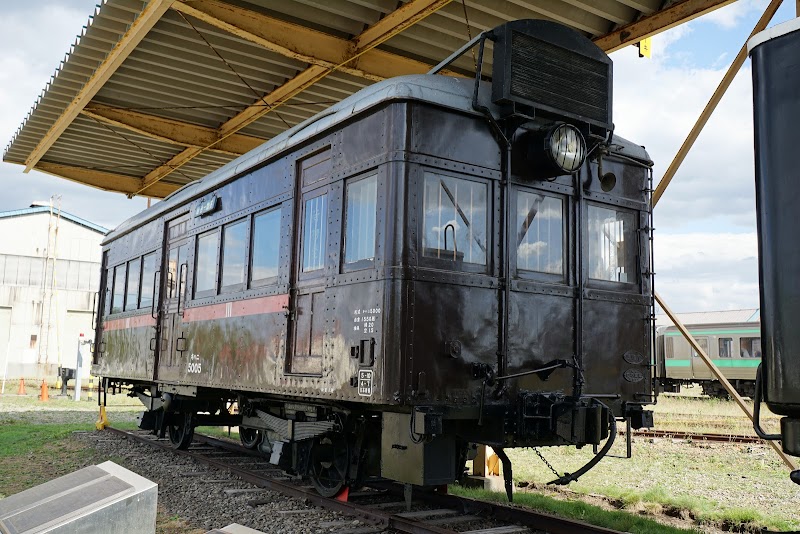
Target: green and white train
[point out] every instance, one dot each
(734, 347)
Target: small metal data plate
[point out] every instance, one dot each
(633, 375)
(365, 382)
(633, 357)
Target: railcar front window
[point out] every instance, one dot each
(540, 233)
(234, 248)
(206, 264)
(266, 246)
(454, 219)
(118, 301)
(362, 199)
(134, 273)
(315, 229)
(725, 347)
(612, 245)
(148, 277)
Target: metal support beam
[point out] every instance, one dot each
(384, 29)
(719, 376)
(674, 15)
(171, 130)
(712, 103)
(107, 181)
(302, 43)
(149, 16)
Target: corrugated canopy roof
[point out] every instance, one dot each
(155, 94)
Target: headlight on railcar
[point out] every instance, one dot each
(554, 150)
(566, 147)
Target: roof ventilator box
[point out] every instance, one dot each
(105, 498)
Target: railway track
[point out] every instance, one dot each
(695, 436)
(382, 505)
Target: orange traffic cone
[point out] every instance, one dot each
(21, 388)
(45, 394)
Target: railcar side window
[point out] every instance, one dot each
(266, 246)
(148, 275)
(234, 248)
(725, 347)
(750, 347)
(205, 281)
(454, 219)
(612, 245)
(134, 274)
(540, 233)
(669, 347)
(118, 301)
(362, 199)
(315, 230)
(702, 342)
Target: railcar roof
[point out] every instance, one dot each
(444, 91)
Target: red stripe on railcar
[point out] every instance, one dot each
(271, 304)
(137, 321)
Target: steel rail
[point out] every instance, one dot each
(533, 519)
(695, 436)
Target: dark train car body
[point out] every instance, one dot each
(346, 283)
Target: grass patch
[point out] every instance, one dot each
(698, 510)
(30, 438)
(575, 509)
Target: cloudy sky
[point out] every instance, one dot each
(705, 223)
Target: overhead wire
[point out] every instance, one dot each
(259, 96)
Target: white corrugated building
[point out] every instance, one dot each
(49, 273)
(746, 315)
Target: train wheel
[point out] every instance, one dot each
(250, 437)
(181, 429)
(330, 459)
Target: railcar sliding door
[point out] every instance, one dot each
(309, 266)
(173, 341)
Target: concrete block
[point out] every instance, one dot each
(234, 528)
(490, 483)
(99, 499)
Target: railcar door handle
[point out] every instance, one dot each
(181, 288)
(153, 313)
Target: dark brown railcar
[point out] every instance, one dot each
(390, 281)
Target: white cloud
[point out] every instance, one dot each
(731, 16)
(702, 271)
(33, 39)
(656, 103)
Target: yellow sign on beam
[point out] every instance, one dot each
(644, 47)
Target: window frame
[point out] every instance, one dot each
(156, 269)
(695, 354)
(720, 340)
(128, 281)
(449, 264)
(565, 230)
(233, 288)
(600, 283)
(196, 295)
(270, 280)
(124, 266)
(302, 274)
(367, 263)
